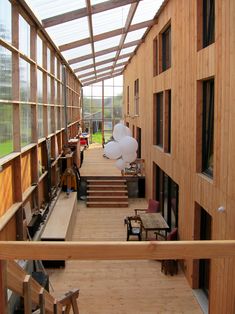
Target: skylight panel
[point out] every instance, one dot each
(104, 65)
(118, 80)
(105, 57)
(107, 43)
(77, 52)
(69, 31)
(82, 63)
(109, 20)
(48, 8)
(146, 10)
(97, 1)
(131, 36)
(128, 50)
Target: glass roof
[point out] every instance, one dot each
(88, 30)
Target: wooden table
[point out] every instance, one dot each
(153, 222)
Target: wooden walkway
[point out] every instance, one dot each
(94, 164)
(120, 287)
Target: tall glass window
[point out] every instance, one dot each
(39, 51)
(24, 36)
(208, 22)
(5, 20)
(208, 127)
(159, 119)
(166, 49)
(25, 109)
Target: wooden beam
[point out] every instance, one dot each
(3, 288)
(129, 19)
(101, 79)
(103, 52)
(94, 72)
(27, 295)
(88, 4)
(116, 250)
(76, 14)
(106, 35)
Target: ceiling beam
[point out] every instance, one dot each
(88, 4)
(92, 81)
(76, 14)
(103, 52)
(106, 35)
(86, 67)
(129, 19)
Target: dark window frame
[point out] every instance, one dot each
(159, 119)
(208, 127)
(166, 48)
(136, 96)
(208, 21)
(164, 191)
(128, 100)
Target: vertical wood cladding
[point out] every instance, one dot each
(190, 66)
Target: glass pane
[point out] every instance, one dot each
(39, 51)
(56, 100)
(39, 86)
(40, 121)
(5, 20)
(6, 123)
(108, 90)
(146, 10)
(24, 80)
(25, 124)
(49, 119)
(24, 36)
(108, 101)
(48, 89)
(5, 74)
(48, 60)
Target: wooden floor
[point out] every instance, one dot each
(118, 287)
(95, 164)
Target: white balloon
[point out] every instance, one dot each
(128, 145)
(120, 131)
(112, 150)
(130, 157)
(120, 164)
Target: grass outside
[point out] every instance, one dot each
(6, 148)
(97, 137)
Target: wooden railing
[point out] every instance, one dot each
(22, 284)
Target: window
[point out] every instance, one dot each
(24, 36)
(5, 20)
(136, 96)
(159, 119)
(166, 49)
(208, 22)
(167, 193)
(208, 127)
(128, 100)
(155, 57)
(167, 128)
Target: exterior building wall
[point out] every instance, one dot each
(190, 65)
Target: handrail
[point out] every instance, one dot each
(16, 278)
(151, 250)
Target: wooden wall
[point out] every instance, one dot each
(190, 65)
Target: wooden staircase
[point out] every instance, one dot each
(107, 193)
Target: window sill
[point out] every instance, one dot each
(206, 177)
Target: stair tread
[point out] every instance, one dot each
(106, 185)
(111, 191)
(99, 202)
(105, 180)
(107, 196)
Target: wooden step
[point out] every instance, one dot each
(114, 182)
(107, 187)
(107, 192)
(102, 198)
(107, 204)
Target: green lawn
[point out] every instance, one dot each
(6, 148)
(97, 138)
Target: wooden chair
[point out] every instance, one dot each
(133, 224)
(153, 207)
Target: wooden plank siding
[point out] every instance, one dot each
(189, 66)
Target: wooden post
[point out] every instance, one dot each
(27, 295)
(3, 288)
(42, 302)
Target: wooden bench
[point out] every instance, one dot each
(60, 224)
